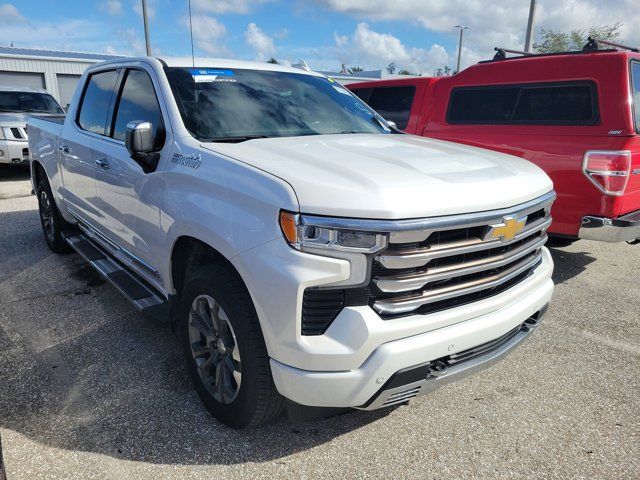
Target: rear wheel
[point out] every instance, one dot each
(224, 349)
(52, 222)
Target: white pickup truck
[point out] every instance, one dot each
(308, 254)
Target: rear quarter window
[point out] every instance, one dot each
(569, 103)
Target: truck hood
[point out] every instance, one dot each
(391, 176)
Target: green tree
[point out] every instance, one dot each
(404, 71)
(274, 61)
(391, 68)
(356, 69)
(552, 41)
(444, 71)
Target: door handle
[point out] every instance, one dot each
(103, 163)
(64, 148)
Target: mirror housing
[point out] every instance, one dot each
(392, 124)
(140, 143)
(139, 138)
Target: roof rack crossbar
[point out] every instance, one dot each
(501, 53)
(594, 44)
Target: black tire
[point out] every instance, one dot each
(52, 222)
(256, 398)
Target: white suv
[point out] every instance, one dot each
(16, 104)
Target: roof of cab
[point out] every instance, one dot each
(13, 88)
(205, 62)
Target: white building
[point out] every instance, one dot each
(56, 71)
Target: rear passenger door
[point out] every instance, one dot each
(80, 144)
(130, 193)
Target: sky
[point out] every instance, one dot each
(417, 35)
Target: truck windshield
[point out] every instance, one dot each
(238, 104)
(28, 102)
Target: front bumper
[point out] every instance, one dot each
(14, 151)
(621, 229)
(357, 387)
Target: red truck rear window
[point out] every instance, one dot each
(567, 103)
(635, 80)
(393, 103)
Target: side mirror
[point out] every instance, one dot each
(392, 124)
(139, 138)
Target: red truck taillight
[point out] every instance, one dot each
(608, 170)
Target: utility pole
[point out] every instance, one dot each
(146, 27)
(462, 29)
(532, 14)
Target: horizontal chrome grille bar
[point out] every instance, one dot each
(431, 224)
(420, 257)
(406, 283)
(399, 305)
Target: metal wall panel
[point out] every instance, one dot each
(66, 87)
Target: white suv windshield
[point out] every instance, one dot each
(219, 104)
(28, 102)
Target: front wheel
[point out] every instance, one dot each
(225, 350)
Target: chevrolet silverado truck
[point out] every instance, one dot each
(574, 114)
(16, 104)
(308, 254)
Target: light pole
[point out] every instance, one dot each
(532, 14)
(146, 27)
(462, 29)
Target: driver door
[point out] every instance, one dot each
(131, 193)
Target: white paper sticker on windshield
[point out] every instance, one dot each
(340, 89)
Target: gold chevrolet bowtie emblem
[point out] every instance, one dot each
(508, 229)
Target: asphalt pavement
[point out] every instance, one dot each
(89, 389)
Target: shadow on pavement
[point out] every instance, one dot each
(569, 264)
(81, 370)
(14, 172)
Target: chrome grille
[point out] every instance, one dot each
(17, 134)
(453, 261)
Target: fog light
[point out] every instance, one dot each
(1, 153)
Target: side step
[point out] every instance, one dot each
(143, 296)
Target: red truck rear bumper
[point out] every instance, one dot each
(621, 229)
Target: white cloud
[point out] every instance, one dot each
(226, 6)
(112, 7)
(9, 13)
(259, 41)
(207, 33)
(370, 49)
(496, 23)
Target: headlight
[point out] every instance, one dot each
(302, 234)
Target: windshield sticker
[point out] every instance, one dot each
(340, 89)
(207, 75)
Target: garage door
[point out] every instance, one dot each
(22, 79)
(67, 87)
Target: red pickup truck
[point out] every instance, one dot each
(576, 115)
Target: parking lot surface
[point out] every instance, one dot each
(91, 389)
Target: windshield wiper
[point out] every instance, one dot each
(236, 139)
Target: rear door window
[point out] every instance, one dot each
(635, 80)
(393, 103)
(567, 103)
(96, 102)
